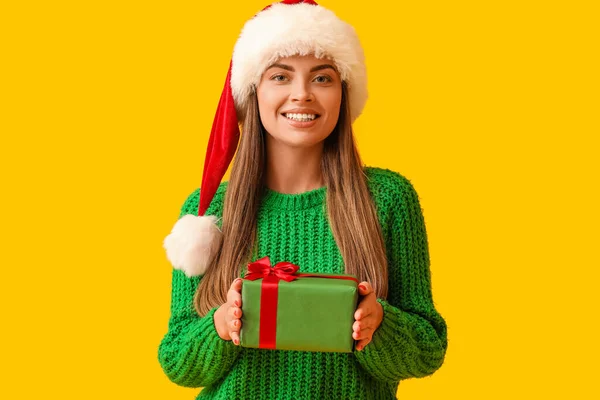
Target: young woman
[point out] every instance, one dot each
(298, 192)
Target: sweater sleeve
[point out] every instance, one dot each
(192, 354)
(411, 341)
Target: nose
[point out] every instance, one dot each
(302, 92)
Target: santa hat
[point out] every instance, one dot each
(288, 28)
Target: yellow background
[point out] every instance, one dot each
(489, 108)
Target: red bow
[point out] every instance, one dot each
(262, 269)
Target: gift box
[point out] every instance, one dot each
(285, 309)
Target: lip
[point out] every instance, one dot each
(301, 111)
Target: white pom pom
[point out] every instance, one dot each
(192, 243)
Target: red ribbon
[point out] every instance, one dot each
(269, 293)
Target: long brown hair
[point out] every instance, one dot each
(350, 209)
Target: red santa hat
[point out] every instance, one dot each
(288, 28)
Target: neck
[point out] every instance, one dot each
(293, 169)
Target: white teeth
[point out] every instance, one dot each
(300, 117)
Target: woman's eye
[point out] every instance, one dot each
(276, 78)
(324, 79)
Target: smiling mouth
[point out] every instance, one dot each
(300, 117)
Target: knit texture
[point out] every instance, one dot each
(410, 342)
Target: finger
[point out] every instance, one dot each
(363, 311)
(235, 338)
(362, 324)
(234, 296)
(234, 313)
(361, 344)
(235, 325)
(363, 334)
(365, 288)
(236, 284)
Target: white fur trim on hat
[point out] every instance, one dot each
(285, 30)
(193, 243)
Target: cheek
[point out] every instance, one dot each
(332, 104)
(332, 98)
(268, 102)
(267, 110)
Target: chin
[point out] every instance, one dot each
(295, 144)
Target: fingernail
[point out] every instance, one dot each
(237, 303)
(363, 287)
(236, 341)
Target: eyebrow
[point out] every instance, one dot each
(290, 68)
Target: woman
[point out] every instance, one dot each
(298, 192)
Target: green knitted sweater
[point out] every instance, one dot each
(410, 342)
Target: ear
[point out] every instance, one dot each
(193, 243)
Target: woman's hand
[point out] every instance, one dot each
(227, 318)
(368, 316)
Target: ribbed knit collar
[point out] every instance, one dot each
(297, 201)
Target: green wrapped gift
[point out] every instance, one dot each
(288, 310)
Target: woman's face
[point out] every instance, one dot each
(299, 100)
